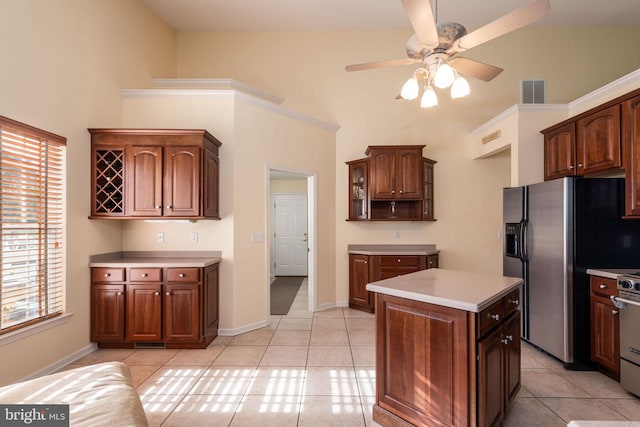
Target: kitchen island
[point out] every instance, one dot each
(447, 348)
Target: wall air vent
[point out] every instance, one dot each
(533, 91)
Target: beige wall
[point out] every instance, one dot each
(307, 70)
(69, 58)
(63, 64)
(253, 138)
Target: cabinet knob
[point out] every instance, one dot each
(393, 191)
(399, 260)
(401, 191)
(120, 293)
(366, 262)
(570, 166)
(515, 302)
(168, 206)
(168, 294)
(181, 275)
(107, 274)
(580, 165)
(614, 312)
(144, 274)
(504, 341)
(158, 206)
(603, 286)
(509, 337)
(494, 316)
(156, 293)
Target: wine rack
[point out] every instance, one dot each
(109, 180)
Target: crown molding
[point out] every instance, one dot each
(229, 93)
(605, 93)
(216, 84)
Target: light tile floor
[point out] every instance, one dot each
(317, 369)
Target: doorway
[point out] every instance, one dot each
(291, 212)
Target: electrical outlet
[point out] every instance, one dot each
(160, 237)
(396, 234)
(194, 237)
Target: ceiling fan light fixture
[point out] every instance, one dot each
(429, 98)
(444, 76)
(410, 89)
(460, 88)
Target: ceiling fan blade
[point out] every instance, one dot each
(422, 20)
(518, 18)
(380, 64)
(473, 68)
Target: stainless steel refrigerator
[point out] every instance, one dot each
(553, 232)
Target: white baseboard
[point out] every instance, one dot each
(241, 330)
(59, 364)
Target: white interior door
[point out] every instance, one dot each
(291, 247)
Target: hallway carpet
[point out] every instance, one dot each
(283, 292)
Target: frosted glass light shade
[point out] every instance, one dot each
(410, 89)
(460, 88)
(429, 98)
(444, 76)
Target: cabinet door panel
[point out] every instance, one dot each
(605, 341)
(512, 357)
(631, 140)
(598, 141)
(181, 183)
(409, 175)
(210, 187)
(143, 185)
(107, 313)
(211, 301)
(181, 312)
(560, 152)
(144, 312)
(383, 174)
(491, 379)
(359, 297)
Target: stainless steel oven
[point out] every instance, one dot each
(628, 304)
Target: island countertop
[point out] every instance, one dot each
(449, 288)
(141, 259)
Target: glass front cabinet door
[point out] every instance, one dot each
(358, 190)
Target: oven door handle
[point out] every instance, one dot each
(620, 302)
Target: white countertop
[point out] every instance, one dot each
(456, 289)
(383, 249)
(156, 259)
(611, 273)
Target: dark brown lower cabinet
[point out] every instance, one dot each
(365, 269)
(175, 307)
(435, 367)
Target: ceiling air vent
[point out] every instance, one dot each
(533, 91)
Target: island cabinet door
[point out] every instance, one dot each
(491, 367)
(422, 363)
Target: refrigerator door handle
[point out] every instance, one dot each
(523, 240)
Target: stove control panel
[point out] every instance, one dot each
(629, 283)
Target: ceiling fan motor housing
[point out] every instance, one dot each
(448, 33)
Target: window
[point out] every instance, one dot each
(31, 220)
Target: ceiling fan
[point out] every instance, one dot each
(435, 46)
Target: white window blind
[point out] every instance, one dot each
(31, 216)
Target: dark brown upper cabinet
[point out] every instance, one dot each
(394, 183)
(154, 173)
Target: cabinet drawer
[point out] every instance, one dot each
(107, 274)
(190, 274)
(604, 286)
(145, 275)
(401, 260)
(511, 302)
(490, 317)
